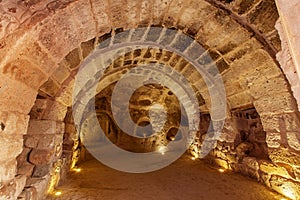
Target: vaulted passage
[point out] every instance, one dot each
(160, 99)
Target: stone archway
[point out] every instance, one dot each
(41, 54)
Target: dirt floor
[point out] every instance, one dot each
(185, 179)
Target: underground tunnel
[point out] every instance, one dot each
(157, 99)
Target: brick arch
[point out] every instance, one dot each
(32, 51)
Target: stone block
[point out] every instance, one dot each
(264, 10)
(101, 14)
(41, 156)
(41, 141)
(8, 170)
(11, 147)
(84, 19)
(45, 127)
(273, 139)
(13, 123)
(243, 49)
(39, 186)
(24, 71)
(73, 58)
(55, 112)
(34, 52)
(26, 169)
(23, 157)
(66, 94)
(10, 93)
(61, 73)
(284, 155)
(61, 23)
(281, 122)
(240, 100)
(20, 184)
(294, 140)
(38, 109)
(275, 104)
(51, 87)
(41, 170)
(118, 18)
(87, 47)
(276, 85)
(146, 12)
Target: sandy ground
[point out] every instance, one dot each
(183, 180)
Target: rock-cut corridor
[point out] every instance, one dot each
(185, 179)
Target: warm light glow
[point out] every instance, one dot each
(58, 193)
(77, 170)
(162, 150)
(222, 170)
(288, 192)
(195, 157)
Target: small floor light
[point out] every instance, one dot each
(58, 193)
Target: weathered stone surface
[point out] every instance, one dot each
(25, 72)
(41, 156)
(221, 163)
(55, 112)
(11, 147)
(39, 186)
(8, 190)
(84, 19)
(271, 169)
(51, 87)
(273, 139)
(100, 10)
(284, 155)
(20, 184)
(285, 186)
(37, 55)
(41, 141)
(61, 73)
(294, 140)
(10, 93)
(250, 167)
(266, 88)
(41, 170)
(8, 170)
(87, 47)
(66, 94)
(240, 100)
(23, 157)
(26, 169)
(275, 104)
(45, 127)
(281, 122)
(62, 24)
(73, 58)
(28, 193)
(38, 109)
(13, 123)
(264, 10)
